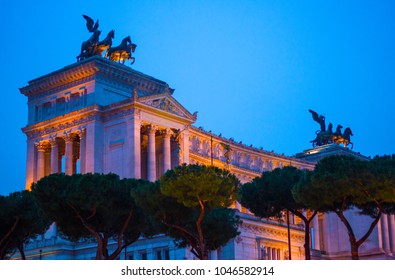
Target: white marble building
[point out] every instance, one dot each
(99, 116)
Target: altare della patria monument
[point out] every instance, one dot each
(98, 115)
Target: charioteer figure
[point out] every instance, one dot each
(93, 46)
(326, 136)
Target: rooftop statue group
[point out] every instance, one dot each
(327, 136)
(93, 46)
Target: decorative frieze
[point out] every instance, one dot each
(38, 133)
(272, 233)
(95, 68)
(238, 155)
(163, 104)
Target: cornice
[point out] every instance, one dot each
(99, 68)
(222, 164)
(61, 123)
(199, 132)
(164, 102)
(272, 233)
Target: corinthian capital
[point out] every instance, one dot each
(53, 141)
(152, 128)
(167, 133)
(41, 146)
(69, 137)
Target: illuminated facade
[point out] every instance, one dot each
(99, 116)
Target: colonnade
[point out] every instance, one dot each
(50, 152)
(61, 153)
(386, 232)
(152, 131)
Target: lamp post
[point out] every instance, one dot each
(289, 236)
(211, 148)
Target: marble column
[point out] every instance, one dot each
(385, 232)
(94, 136)
(47, 155)
(41, 147)
(31, 164)
(69, 139)
(184, 146)
(166, 150)
(391, 225)
(151, 153)
(82, 150)
(133, 147)
(316, 228)
(258, 246)
(214, 255)
(54, 156)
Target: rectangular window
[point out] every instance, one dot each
(61, 105)
(167, 254)
(74, 100)
(143, 255)
(47, 110)
(130, 256)
(159, 255)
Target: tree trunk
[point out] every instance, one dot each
(351, 236)
(22, 251)
(306, 232)
(4, 240)
(307, 241)
(121, 243)
(354, 251)
(202, 246)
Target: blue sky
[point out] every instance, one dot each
(252, 69)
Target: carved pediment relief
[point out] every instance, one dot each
(168, 104)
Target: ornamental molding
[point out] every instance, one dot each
(270, 233)
(39, 133)
(166, 103)
(61, 79)
(118, 113)
(60, 88)
(94, 68)
(242, 156)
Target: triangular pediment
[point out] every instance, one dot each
(166, 103)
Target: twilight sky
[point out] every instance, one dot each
(252, 69)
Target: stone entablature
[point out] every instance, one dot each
(95, 68)
(94, 81)
(318, 153)
(247, 161)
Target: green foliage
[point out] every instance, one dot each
(219, 225)
(271, 193)
(20, 221)
(179, 222)
(189, 184)
(341, 182)
(94, 206)
(190, 204)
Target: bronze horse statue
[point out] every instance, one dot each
(88, 48)
(323, 137)
(105, 44)
(338, 133)
(345, 138)
(122, 52)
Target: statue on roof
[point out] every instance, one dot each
(88, 47)
(90, 24)
(326, 136)
(319, 119)
(93, 46)
(122, 52)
